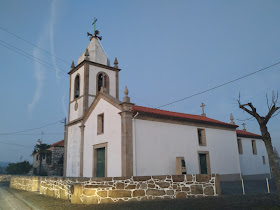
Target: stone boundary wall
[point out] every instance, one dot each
(5, 178)
(27, 183)
(117, 189)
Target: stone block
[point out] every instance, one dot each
(199, 196)
(185, 189)
(131, 186)
(169, 192)
(163, 184)
(120, 186)
(189, 177)
(141, 178)
(159, 177)
(101, 179)
(90, 200)
(178, 178)
(63, 194)
(203, 177)
(76, 195)
(208, 191)
(196, 189)
(102, 193)
(175, 186)
(155, 192)
(119, 193)
(181, 195)
(137, 193)
(121, 178)
(133, 199)
(143, 186)
(151, 186)
(144, 198)
(106, 200)
(89, 192)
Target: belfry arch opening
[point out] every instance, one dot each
(102, 81)
(77, 87)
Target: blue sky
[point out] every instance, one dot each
(167, 50)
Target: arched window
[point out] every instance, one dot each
(77, 87)
(102, 80)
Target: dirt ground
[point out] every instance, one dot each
(259, 201)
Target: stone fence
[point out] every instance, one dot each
(5, 178)
(114, 189)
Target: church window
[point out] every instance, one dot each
(100, 124)
(102, 80)
(263, 158)
(239, 143)
(77, 87)
(201, 137)
(254, 147)
(37, 157)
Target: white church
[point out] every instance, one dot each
(110, 137)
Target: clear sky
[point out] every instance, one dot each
(167, 50)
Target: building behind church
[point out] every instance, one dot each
(108, 137)
(52, 162)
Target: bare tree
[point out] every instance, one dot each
(272, 111)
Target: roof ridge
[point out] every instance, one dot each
(180, 115)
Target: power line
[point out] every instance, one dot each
(33, 134)
(31, 128)
(31, 58)
(34, 45)
(15, 144)
(218, 86)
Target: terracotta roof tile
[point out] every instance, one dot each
(242, 133)
(189, 117)
(58, 144)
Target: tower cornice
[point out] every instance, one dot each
(93, 64)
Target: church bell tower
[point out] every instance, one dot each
(92, 71)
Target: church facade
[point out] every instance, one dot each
(109, 137)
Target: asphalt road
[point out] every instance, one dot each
(11, 200)
(18, 199)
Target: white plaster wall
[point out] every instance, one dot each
(253, 164)
(75, 114)
(112, 135)
(73, 76)
(93, 71)
(73, 151)
(90, 100)
(158, 144)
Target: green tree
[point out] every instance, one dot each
(19, 168)
(42, 151)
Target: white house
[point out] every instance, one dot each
(109, 137)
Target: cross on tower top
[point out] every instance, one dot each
(202, 106)
(96, 32)
(94, 21)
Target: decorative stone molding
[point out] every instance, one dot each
(117, 189)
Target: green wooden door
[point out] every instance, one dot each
(100, 165)
(203, 163)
